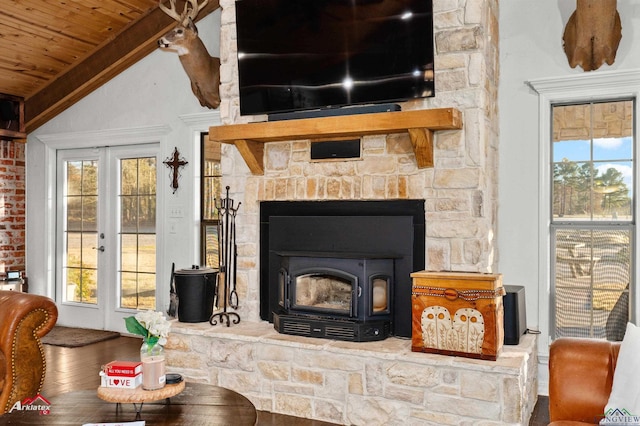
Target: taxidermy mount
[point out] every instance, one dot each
(203, 69)
(592, 34)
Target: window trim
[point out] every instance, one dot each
(571, 89)
(196, 123)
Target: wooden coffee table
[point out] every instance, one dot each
(196, 404)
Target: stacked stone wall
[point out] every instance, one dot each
(377, 383)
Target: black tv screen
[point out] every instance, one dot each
(296, 55)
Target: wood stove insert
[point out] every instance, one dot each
(341, 231)
(343, 296)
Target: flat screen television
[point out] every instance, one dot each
(300, 55)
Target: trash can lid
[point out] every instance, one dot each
(201, 271)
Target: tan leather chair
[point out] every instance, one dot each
(24, 320)
(580, 380)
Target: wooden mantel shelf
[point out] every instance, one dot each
(250, 138)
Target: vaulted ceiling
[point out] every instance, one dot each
(55, 52)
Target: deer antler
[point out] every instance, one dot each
(187, 12)
(195, 8)
(171, 12)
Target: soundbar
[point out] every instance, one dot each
(332, 112)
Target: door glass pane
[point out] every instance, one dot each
(147, 212)
(147, 253)
(138, 233)
(128, 252)
(90, 213)
(80, 259)
(81, 285)
(74, 213)
(128, 290)
(129, 213)
(73, 184)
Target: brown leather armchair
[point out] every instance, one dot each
(580, 380)
(24, 320)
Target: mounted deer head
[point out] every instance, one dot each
(203, 69)
(592, 34)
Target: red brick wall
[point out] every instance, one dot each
(12, 206)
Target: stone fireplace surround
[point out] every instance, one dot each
(377, 382)
(366, 383)
(359, 383)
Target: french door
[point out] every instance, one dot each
(105, 234)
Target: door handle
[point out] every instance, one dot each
(101, 248)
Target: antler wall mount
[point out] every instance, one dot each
(203, 69)
(592, 34)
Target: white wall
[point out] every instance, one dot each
(154, 92)
(531, 48)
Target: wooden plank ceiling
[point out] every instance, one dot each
(55, 52)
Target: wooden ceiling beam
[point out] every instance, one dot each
(132, 44)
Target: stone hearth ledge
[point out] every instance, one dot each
(372, 383)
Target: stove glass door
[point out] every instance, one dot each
(325, 292)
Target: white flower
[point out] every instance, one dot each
(155, 323)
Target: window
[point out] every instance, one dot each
(592, 218)
(210, 191)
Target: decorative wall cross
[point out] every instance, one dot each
(174, 163)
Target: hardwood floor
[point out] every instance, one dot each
(540, 416)
(70, 369)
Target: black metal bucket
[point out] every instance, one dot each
(196, 290)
